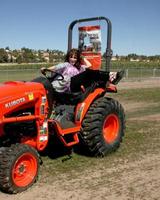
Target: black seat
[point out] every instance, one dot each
(73, 98)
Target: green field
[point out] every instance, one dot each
(128, 64)
(114, 64)
(25, 72)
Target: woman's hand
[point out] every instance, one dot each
(43, 70)
(86, 62)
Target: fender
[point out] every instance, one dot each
(111, 88)
(83, 107)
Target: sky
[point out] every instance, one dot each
(43, 24)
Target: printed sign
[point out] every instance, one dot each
(15, 102)
(90, 44)
(30, 96)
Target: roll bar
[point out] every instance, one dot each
(108, 52)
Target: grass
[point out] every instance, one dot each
(114, 64)
(24, 72)
(29, 71)
(154, 109)
(138, 95)
(141, 138)
(150, 96)
(16, 66)
(128, 64)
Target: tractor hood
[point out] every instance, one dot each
(17, 88)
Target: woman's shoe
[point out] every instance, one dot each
(119, 76)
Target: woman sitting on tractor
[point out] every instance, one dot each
(72, 67)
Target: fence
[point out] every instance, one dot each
(135, 74)
(19, 74)
(142, 73)
(139, 74)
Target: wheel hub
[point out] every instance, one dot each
(111, 128)
(21, 168)
(24, 170)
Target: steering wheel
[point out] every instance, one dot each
(51, 75)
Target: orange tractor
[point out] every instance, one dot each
(31, 112)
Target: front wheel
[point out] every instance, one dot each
(19, 166)
(103, 126)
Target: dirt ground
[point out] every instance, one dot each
(133, 180)
(139, 84)
(128, 180)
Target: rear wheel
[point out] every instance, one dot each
(103, 126)
(19, 168)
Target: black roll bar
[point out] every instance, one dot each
(109, 32)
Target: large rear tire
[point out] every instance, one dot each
(19, 167)
(103, 126)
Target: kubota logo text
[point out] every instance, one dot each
(14, 102)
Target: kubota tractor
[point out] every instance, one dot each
(33, 111)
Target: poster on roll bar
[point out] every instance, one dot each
(90, 44)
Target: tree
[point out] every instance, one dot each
(40, 56)
(19, 59)
(3, 56)
(7, 48)
(28, 55)
(133, 56)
